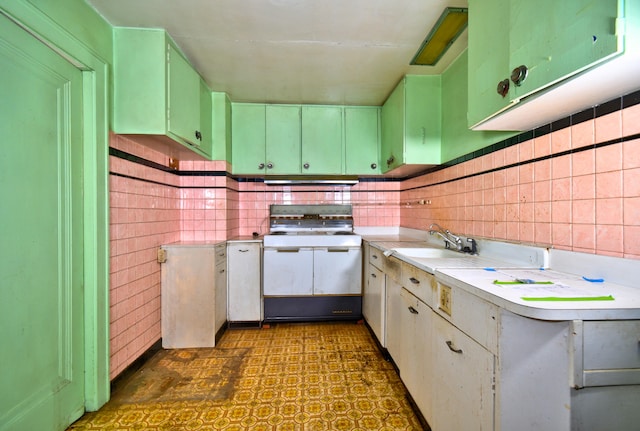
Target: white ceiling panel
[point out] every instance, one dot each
(294, 51)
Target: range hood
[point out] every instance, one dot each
(311, 180)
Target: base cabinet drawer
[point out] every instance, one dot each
(607, 353)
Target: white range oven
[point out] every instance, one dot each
(312, 264)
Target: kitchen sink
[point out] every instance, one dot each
(426, 253)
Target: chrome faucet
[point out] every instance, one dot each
(449, 238)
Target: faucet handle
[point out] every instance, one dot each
(474, 246)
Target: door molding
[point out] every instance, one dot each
(95, 188)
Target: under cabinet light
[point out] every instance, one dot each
(449, 26)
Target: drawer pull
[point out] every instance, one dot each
(413, 310)
(414, 280)
(452, 347)
(374, 256)
(373, 275)
(244, 250)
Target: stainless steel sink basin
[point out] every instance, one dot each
(426, 253)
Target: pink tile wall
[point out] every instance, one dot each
(374, 203)
(206, 203)
(587, 201)
(143, 215)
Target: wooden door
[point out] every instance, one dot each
(41, 251)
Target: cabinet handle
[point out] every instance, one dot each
(373, 275)
(374, 165)
(306, 166)
(243, 251)
(503, 87)
(374, 256)
(269, 165)
(413, 310)
(198, 135)
(390, 160)
(338, 250)
(221, 271)
(519, 74)
(414, 280)
(452, 347)
(261, 166)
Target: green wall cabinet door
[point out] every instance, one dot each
(282, 139)
(553, 40)
(411, 124)
(248, 128)
(322, 141)
(157, 93)
(184, 98)
(362, 140)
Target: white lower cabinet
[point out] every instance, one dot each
(193, 294)
(373, 302)
(244, 263)
(417, 372)
(463, 397)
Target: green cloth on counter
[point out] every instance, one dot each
(522, 282)
(568, 298)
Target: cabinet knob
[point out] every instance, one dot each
(306, 166)
(503, 87)
(269, 165)
(519, 74)
(261, 166)
(198, 135)
(413, 310)
(414, 280)
(374, 165)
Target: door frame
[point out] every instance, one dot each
(95, 111)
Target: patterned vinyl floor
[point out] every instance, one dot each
(307, 377)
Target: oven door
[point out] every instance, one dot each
(288, 271)
(337, 271)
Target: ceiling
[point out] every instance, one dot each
(346, 52)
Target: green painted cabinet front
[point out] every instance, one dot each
(548, 40)
(362, 140)
(322, 147)
(282, 139)
(184, 98)
(248, 148)
(156, 92)
(411, 123)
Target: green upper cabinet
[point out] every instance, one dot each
(248, 148)
(362, 140)
(220, 126)
(270, 139)
(184, 98)
(322, 142)
(411, 125)
(529, 46)
(282, 139)
(157, 93)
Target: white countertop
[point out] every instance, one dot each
(506, 262)
(560, 303)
